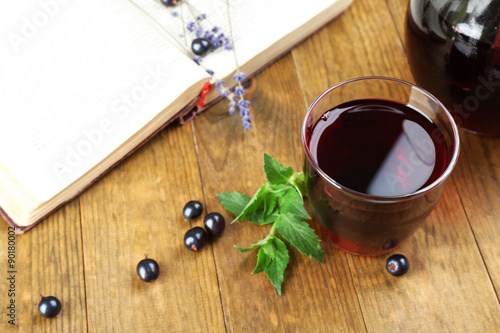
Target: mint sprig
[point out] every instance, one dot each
(278, 202)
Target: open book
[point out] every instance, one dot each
(84, 83)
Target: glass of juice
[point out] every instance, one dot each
(378, 153)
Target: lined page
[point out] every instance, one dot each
(77, 79)
(257, 25)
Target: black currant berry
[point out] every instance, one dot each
(192, 210)
(390, 244)
(49, 306)
(195, 238)
(215, 223)
(148, 270)
(397, 264)
(200, 46)
(170, 3)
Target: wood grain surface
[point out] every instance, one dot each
(86, 253)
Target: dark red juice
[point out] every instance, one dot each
(453, 49)
(381, 149)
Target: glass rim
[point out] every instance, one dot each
(377, 198)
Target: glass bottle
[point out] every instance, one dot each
(453, 49)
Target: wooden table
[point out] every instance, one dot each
(86, 253)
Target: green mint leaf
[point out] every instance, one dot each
(275, 172)
(253, 247)
(234, 202)
(278, 190)
(293, 203)
(279, 202)
(299, 182)
(255, 203)
(269, 201)
(279, 260)
(260, 218)
(246, 249)
(268, 211)
(261, 208)
(263, 260)
(298, 233)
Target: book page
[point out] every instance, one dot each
(77, 79)
(256, 26)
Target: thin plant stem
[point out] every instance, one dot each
(232, 37)
(183, 26)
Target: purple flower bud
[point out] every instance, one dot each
(228, 47)
(239, 91)
(199, 31)
(247, 125)
(216, 42)
(225, 93)
(218, 83)
(238, 77)
(201, 17)
(197, 59)
(190, 26)
(243, 104)
(208, 35)
(232, 111)
(210, 72)
(215, 29)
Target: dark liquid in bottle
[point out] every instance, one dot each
(379, 148)
(453, 49)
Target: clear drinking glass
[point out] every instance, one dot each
(378, 153)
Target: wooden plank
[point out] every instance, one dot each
(315, 296)
(447, 288)
(478, 171)
(478, 178)
(48, 261)
(362, 42)
(441, 292)
(137, 210)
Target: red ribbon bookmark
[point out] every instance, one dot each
(204, 92)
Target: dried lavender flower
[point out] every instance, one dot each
(191, 26)
(199, 31)
(239, 90)
(239, 77)
(197, 59)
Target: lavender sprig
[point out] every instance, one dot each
(236, 99)
(236, 95)
(216, 38)
(243, 105)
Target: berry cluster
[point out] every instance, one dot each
(195, 238)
